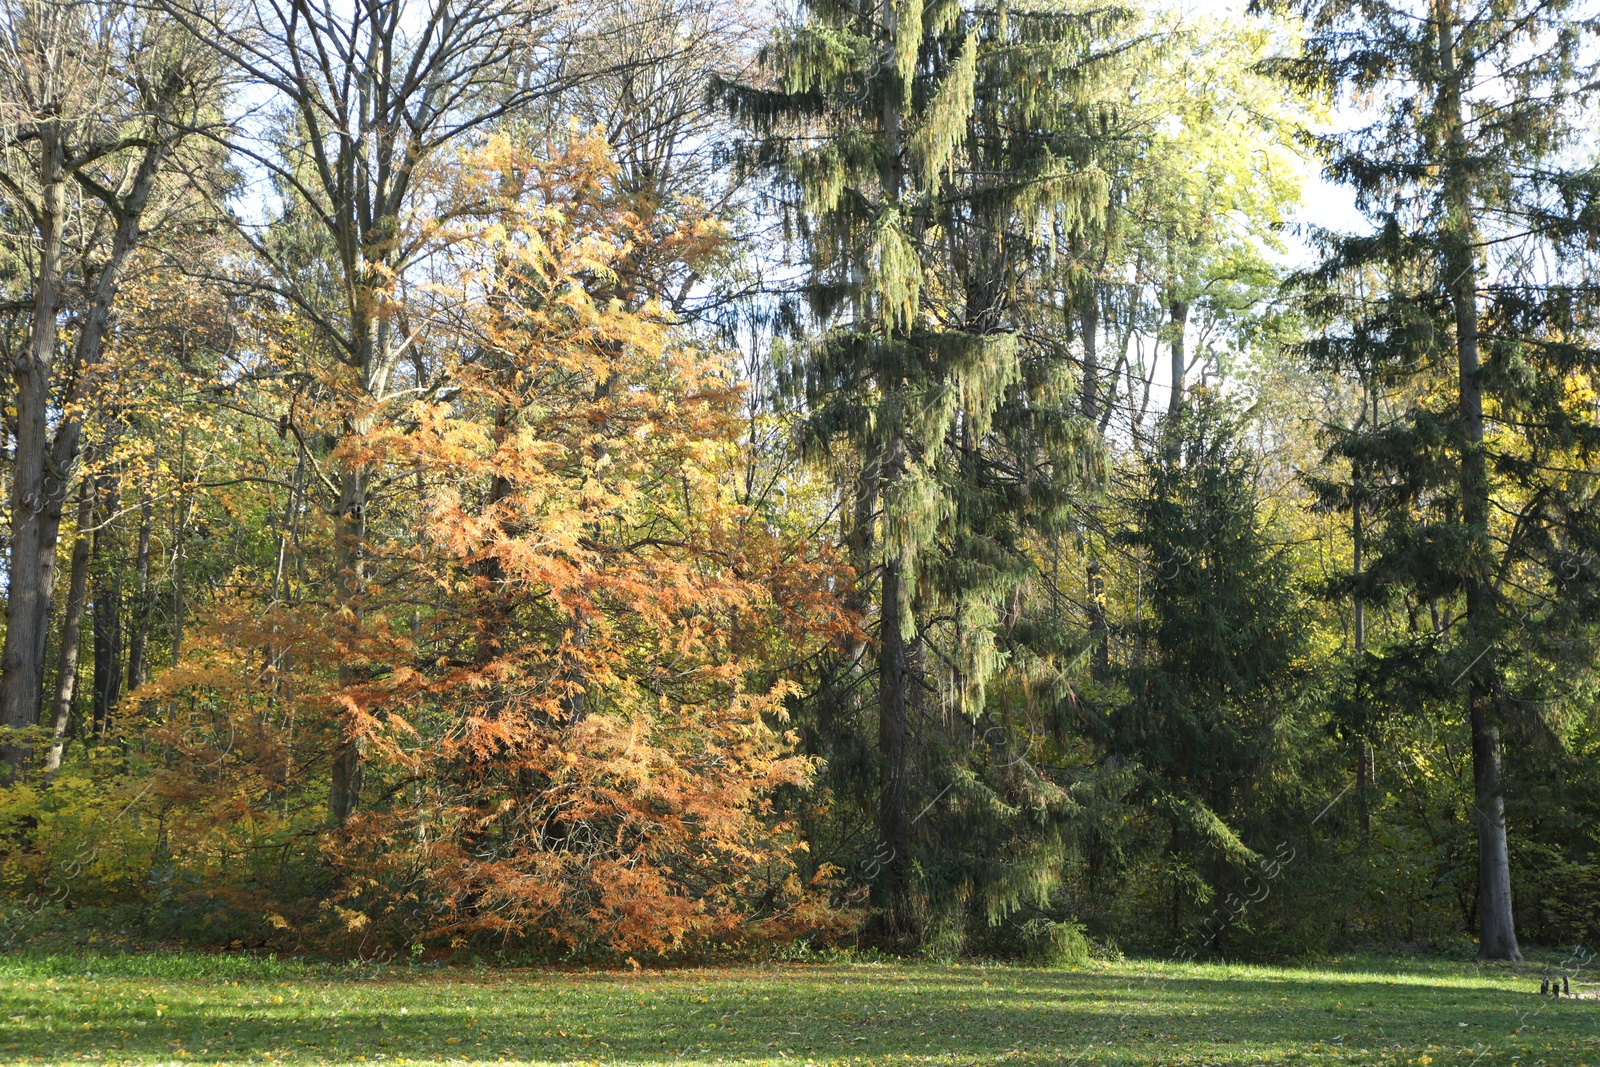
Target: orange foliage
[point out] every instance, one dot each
(554, 668)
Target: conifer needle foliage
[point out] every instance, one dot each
(645, 480)
(926, 154)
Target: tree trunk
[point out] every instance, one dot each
(71, 633)
(1094, 579)
(1497, 927)
(1497, 938)
(1359, 625)
(894, 829)
(375, 357)
(43, 467)
(28, 591)
(180, 522)
(1179, 325)
(344, 783)
(107, 607)
(139, 624)
(493, 608)
(1171, 435)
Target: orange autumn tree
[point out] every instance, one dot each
(556, 672)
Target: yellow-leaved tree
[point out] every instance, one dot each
(560, 668)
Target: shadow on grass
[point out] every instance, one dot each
(806, 1014)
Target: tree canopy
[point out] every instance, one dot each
(667, 479)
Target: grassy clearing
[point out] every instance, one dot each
(234, 1010)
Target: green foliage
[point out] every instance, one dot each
(1153, 572)
(924, 196)
(1055, 944)
(1216, 682)
(1466, 314)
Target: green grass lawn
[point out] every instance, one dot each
(236, 1010)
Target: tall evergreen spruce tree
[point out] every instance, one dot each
(1469, 305)
(927, 152)
(1218, 662)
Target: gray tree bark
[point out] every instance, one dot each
(139, 625)
(45, 460)
(107, 624)
(71, 634)
(1497, 938)
(28, 599)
